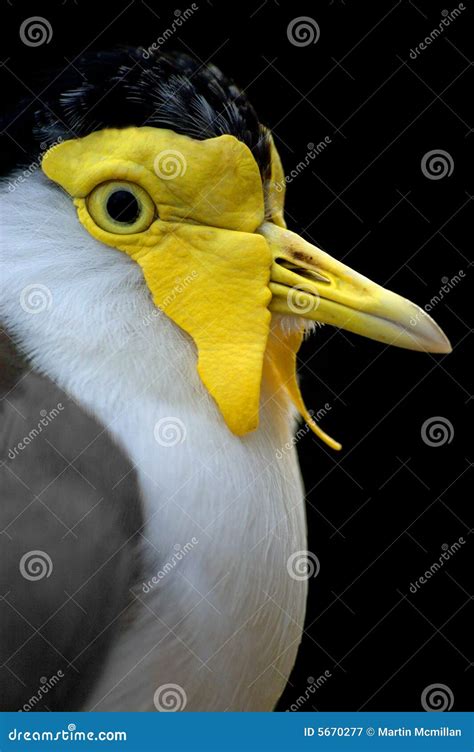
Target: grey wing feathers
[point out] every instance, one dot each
(69, 521)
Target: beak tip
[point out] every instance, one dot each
(445, 348)
(425, 332)
(436, 341)
(436, 346)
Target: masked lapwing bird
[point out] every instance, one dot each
(152, 306)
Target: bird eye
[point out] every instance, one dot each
(121, 207)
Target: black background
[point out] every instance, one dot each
(380, 511)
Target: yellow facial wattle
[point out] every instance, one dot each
(198, 211)
(201, 202)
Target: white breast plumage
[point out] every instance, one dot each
(225, 633)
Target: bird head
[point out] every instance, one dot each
(200, 210)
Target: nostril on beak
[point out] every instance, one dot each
(302, 270)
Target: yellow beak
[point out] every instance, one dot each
(305, 281)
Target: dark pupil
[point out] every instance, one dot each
(122, 206)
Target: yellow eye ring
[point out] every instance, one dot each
(120, 207)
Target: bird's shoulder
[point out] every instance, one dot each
(70, 514)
